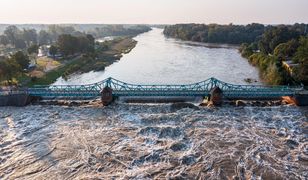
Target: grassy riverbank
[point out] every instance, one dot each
(105, 54)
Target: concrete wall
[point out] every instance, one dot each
(159, 99)
(15, 100)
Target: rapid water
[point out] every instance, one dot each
(144, 141)
(160, 60)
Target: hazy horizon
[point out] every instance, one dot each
(153, 12)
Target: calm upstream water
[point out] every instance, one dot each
(160, 60)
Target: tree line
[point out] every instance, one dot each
(64, 39)
(214, 33)
(118, 30)
(24, 38)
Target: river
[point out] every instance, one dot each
(157, 141)
(160, 60)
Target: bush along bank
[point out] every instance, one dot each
(281, 55)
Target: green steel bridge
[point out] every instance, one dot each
(119, 88)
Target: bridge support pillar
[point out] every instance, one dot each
(216, 96)
(300, 99)
(106, 96)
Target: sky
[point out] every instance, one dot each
(153, 11)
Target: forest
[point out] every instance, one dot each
(214, 33)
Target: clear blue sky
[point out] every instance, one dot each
(154, 11)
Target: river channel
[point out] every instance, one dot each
(160, 60)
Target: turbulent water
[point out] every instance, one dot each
(160, 60)
(146, 141)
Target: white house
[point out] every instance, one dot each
(43, 51)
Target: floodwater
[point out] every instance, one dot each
(153, 141)
(160, 60)
(157, 141)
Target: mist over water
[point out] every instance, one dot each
(160, 60)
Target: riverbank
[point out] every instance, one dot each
(147, 141)
(105, 54)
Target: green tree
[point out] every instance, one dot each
(44, 38)
(56, 30)
(29, 36)
(21, 59)
(53, 50)
(302, 51)
(301, 57)
(33, 49)
(4, 40)
(301, 72)
(8, 70)
(275, 35)
(20, 44)
(91, 43)
(246, 50)
(12, 33)
(286, 49)
(67, 44)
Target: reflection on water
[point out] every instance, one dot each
(153, 142)
(159, 60)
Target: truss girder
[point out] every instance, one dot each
(202, 88)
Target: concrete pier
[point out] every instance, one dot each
(301, 98)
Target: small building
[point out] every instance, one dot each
(43, 51)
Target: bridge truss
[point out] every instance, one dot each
(202, 88)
